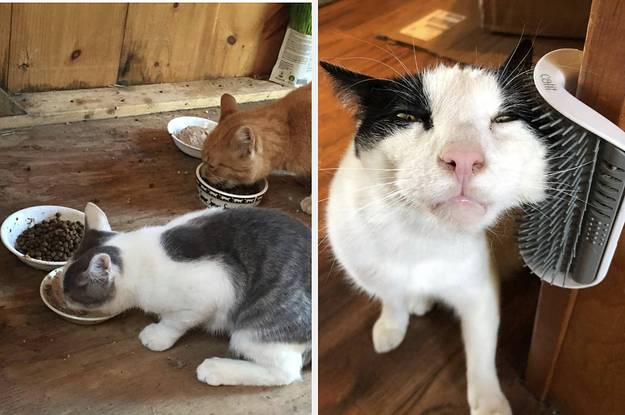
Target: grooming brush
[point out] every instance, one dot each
(569, 239)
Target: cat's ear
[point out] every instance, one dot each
(352, 88)
(100, 268)
(520, 60)
(228, 106)
(243, 143)
(95, 218)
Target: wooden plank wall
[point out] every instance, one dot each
(64, 46)
(5, 39)
(47, 47)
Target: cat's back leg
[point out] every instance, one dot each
(266, 364)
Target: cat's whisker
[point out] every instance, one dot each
(363, 41)
(399, 60)
(384, 184)
(371, 60)
(361, 168)
(353, 213)
(330, 272)
(414, 55)
(570, 169)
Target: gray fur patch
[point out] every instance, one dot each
(78, 286)
(269, 256)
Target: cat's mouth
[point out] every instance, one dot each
(460, 205)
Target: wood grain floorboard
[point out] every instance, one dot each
(50, 366)
(426, 374)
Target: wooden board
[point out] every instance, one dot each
(5, 40)
(8, 107)
(466, 41)
(192, 41)
(589, 372)
(426, 374)
(100, 103)
(50, 366)
(64, 46)
(553, 314)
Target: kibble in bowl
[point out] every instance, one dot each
(38, 235)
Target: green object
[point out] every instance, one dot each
(300, 18)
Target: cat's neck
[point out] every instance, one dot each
(285, 134)
(140, 254)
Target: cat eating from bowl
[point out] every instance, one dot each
(244, 272)
(247, 145)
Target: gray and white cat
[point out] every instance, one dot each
(246, 272)
(437, 158)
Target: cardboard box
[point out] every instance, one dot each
(452, 29)
(545, 18)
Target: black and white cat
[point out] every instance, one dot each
(437, 158)
(246, 272)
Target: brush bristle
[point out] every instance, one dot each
(548, 233)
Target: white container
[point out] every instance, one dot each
(294, 65)
(178, 124)
(18, 222)
(213, 197)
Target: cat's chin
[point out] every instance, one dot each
(461, 212)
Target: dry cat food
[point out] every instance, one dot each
(54, 297)
(242, 189)
(51, 240)
(193, 136)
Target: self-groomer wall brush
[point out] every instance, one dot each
(569, 239)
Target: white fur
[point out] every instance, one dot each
(393, 242)
(186, 295)
(271, 363)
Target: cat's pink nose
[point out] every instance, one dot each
(464, 163)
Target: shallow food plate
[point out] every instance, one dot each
(89, 318)
(178, 124)
(21, 220)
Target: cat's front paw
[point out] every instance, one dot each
(306, 205)
(420, 305)
(214, 371)
(157, 337)
(490, 404)
(387, 338)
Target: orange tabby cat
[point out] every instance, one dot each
(248, 145)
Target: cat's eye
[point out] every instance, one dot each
(407, 117)
(504, 118)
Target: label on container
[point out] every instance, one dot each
(294, 65)
(432, 25)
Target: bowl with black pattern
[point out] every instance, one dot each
(214, 196)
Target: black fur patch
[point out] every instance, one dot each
(517, 85)
(378, 101)
(91, 239)
(268, 254)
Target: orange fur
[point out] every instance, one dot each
(248, 145)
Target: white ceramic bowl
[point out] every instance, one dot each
(18, 222)
(212, 197)
(178, 124)
(92, 317)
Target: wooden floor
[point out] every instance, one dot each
(50, 366)
(426, 374)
